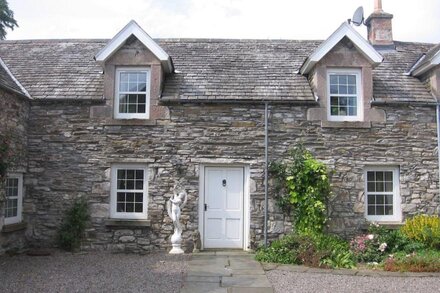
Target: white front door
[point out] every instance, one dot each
(223, 209)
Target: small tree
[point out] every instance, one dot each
(303, 188)
(74, 225)
(6, 19)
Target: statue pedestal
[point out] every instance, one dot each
(176, 241)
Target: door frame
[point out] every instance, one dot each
(246, 200)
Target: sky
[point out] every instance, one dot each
(414, 20)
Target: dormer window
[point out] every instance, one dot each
(344, 95)
(132, 99)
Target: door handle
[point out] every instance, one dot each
(206, 207)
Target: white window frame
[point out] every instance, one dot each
(145, 115)
(113, 196)
(359, 91)
(396, 217)
(18, 218)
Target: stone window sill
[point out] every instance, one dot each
(123, 122)
(14, 227)
(127, 223)
(345, 124)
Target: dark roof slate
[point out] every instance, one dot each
(8, 83)
(391, 81)
(206, 69)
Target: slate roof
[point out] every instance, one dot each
(206, 69)
(7, 81)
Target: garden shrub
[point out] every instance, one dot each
(422, 261)
(311, 249)
(303, 187)
(424, 229)
(74, 225)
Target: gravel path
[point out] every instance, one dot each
(285, 281)
(92, 272)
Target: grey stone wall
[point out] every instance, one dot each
(70, 156)
(13, 124)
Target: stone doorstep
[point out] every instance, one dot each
(247, 281)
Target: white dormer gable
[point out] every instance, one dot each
(132, 28)
(345, 30)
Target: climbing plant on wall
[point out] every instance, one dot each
(5, 160)
(303, 188)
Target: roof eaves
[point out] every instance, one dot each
(132, 28)
(345, 30)
(23, 92)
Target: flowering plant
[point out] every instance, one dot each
(368, 247)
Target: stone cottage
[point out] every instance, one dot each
(120, 121)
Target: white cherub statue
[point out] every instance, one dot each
(174, 207)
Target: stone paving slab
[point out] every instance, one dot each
(251, 281)
(225, 271)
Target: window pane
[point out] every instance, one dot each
(121, 174)
(142, 77)
(334, 101)
(141, 108)
(124, 77)
(351, 90)
(334, 111)
(351, 79)
(352, 102)
(379, 176)
(389, 210)
(120, 197)
(120, 207)
(342, 101)
(129, 207)
(139, 184)
(389, 176)
(343, 90)
(389, 199)
(333, 89)
(388, 186)
(141, 99)
(123, 87)
(142, 87)
(371, 199)
(139, 197)
(370, 176)
(130, 174)
(333, 79)
(130, 184)
(371, 210)
(380, 210)
(132, 108)
(121, 184)
(132, 99)
(343, 79)
(138, 208)
(371, 186)
(352, 111)
(139, 174)
(132, 77)
(380, 187)
(130, 197)
(379, 199)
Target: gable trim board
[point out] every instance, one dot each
(345, 30)
(132, 28)
(418, 69)
(23, 92)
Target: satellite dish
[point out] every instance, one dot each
(358, 16)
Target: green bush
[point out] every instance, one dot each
(303, 185)
(424, 229)
(422, 261)
(311, 249)
(74, 225)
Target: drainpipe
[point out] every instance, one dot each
(438, 138)
(266, 170)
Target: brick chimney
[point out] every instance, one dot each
(380, 30)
